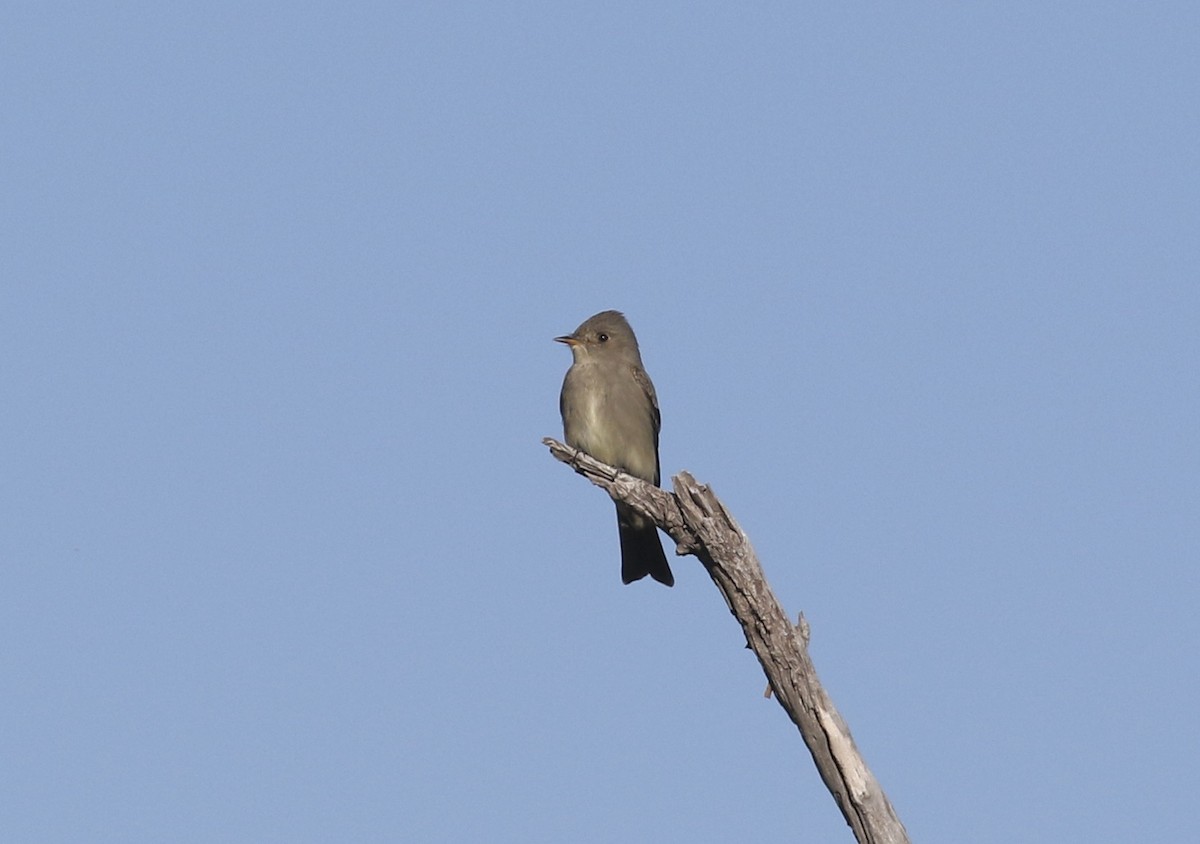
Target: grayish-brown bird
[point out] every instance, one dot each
(610, 411)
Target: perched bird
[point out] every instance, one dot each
(609, 410)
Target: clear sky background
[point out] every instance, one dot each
(284, 559)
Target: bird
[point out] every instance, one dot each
(610, 411)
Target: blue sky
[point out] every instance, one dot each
(284, 559)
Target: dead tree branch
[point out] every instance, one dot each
(701, 526)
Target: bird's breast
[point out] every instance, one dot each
(611, 419)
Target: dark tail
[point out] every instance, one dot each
(641, 552)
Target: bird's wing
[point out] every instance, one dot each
(643, 381)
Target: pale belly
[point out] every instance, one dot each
(617, 430)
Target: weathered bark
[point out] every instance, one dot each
(700, 525)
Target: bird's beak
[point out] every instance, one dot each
(569, 339)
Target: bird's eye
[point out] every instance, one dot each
(603, 338)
